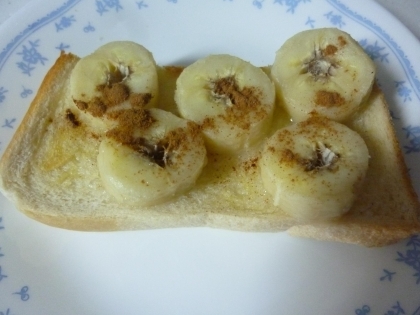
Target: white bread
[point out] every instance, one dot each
(49, 172)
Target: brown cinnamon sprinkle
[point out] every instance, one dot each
(132, 120)
(128, 121)
(329, 50)
(208, 123)
(111, 95)
(241, 102)
(251, 164)
(342, 41)
(81, 105)
(328, 99)
(72, 118)
(287, 156)
(140, 99)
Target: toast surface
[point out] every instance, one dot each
(49, 171)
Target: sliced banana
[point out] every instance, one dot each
(324, 71)
(118, 75)
(150, 157)
(232, 101)
(314, 168)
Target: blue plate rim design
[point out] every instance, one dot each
(31, 28)
(395, 48)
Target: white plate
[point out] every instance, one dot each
(44, 270)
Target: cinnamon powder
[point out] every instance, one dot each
(111, 95)
(329, 50)
(328, 99)
(241, 102)
(131, 120)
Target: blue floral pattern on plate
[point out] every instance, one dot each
(30, 57)
(23, 292)
(33, 49)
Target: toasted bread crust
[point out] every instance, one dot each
(381, 215)
(22, 137)
(370, 234)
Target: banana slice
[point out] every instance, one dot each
(150, 157)
(232, 101)
(314, 168)
(323, 71)
(117, 75)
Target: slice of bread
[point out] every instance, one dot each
(49, 172)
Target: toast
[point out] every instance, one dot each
(49, 172)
